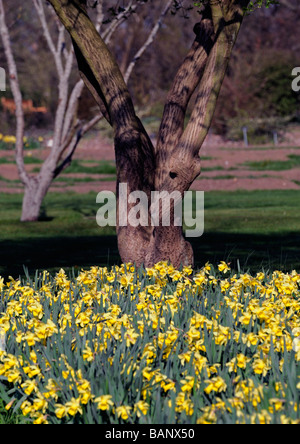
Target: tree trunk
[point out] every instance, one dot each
(34, 192)
(31, 204)
(174, 163)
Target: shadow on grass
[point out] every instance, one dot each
(56, 252)
(252, 252)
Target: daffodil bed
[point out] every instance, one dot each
(152, 346)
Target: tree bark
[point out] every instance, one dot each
(32, 201)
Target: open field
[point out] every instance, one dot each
(68, 236)
(225, 166)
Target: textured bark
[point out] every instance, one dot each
(175, 163)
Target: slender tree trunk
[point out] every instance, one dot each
(35, 190)
(31, 202)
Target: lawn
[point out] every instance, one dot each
(259, 229)
(275, 165)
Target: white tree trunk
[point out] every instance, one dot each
(34, 193)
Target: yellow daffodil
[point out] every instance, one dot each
(74, 407)
(141, 408)
(61, 411)
(9, 139)
(124, 412)
(261, 367)
(29, 386)
(223, 267)
(216, 384)
(104, 402)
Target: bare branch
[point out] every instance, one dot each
(149, 40)
(99, 16)
(67, 161)
(56, 52)
(72, 107)
(15, 87)
(61, 39)
(63, 93)
(118, 20)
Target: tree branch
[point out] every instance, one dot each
(68, 140)
(98, 67)
(289, 5)
(149, 40)
(67, 161)
(178, 150)
(56, 52)
(227, 28)
(77, 90)
(186, 81)
(118, 20)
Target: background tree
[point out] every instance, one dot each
(174, 163)
(68, 128)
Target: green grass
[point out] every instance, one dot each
(71, 181)
(102, 167)
(66, 236)
(214, 168)
(224, 177)
(261, 148)
(83, 167)
(9, 181)
(257, 228)
(275, 165)
(28, 160)
(254, 229)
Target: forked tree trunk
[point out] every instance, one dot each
(174, 163)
